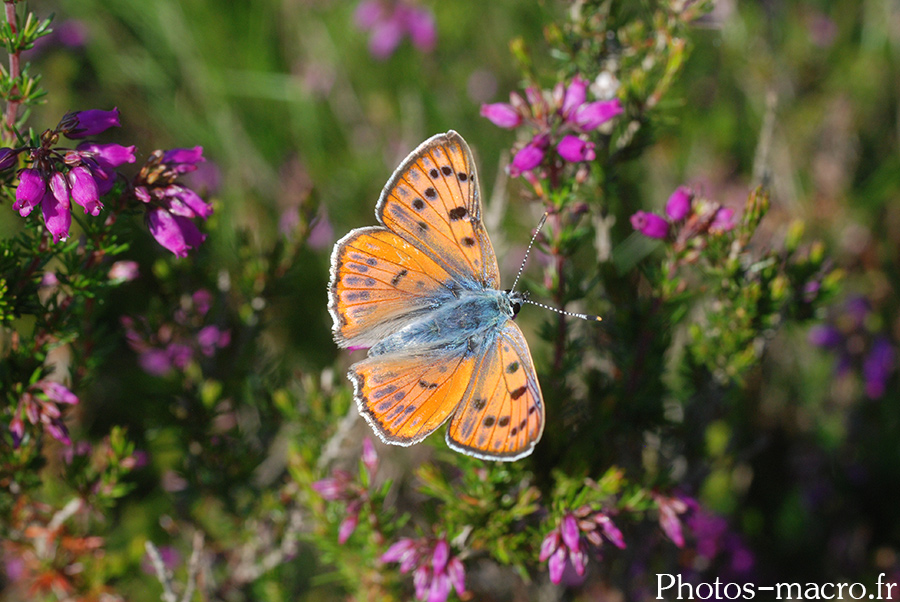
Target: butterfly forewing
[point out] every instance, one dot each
(433, 201)
(406, 397)
(378, 283)
(502, 417)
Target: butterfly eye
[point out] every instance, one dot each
(516, 306)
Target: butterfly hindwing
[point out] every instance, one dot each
(378, 283)
(405, 397)
(433, 201)
(502, 417)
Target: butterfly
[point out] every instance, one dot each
(421, 292)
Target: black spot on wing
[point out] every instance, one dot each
(518, 392)
(458, 213)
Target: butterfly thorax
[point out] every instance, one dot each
(466, 321)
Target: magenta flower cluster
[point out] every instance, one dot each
(172, 207)
(40, 406)
(173, 346)
(434, 569)
(857, 346)
(342, 487)
(569, 542)
(685, 212)
(388, 22)
(57, 177)
(561, 118)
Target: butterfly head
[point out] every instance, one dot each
(513, 302)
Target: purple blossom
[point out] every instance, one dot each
(529, 157)
(82, 124)
(348, 525)
(574, 149)
(388, 23)
(176, 233)
(84, 190)
(321, 236)
(679, 204)
(824, 335)
(435, 570)
(183, 160)
(341, 486)
(562, 545)
(650, 224)
(8, 157)
(850, 337)
(56, 208)
(369, 455)
(171, 206)
(568, 543)
(878, 366)
(30, 191)
(590, 116)
(103, 160)
(335, 487)
(211, 338)
(40, 405)
(723, 220)
(502, 115)
(123, 271)
(576, 94)
(669, 510)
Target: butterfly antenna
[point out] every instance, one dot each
(528, 250)
(588, 317)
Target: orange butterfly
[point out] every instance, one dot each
(421, 293)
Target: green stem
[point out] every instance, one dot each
(12, 103)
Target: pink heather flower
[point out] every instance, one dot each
(123, 271)
(185, 202)
(529, 157)
(30, 191)
(176, 233)
(103, 159)
(610, 531)
(183, 160)
(878, 366)
(679, 204)
(389, 23)
(171, 206)
(574, 149)
(83, 124)
(84, 190)
(421, 27)
(210, 338)
(155, 362)
(590, 116)
(502, 115)
(563, 545)
(574, 97)
(321, 236)
(56, 208)
(723, 220)
(39, 404)
(650, 224)
(669, 509)
(348, 525)
(369, 455)
(435, 571)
